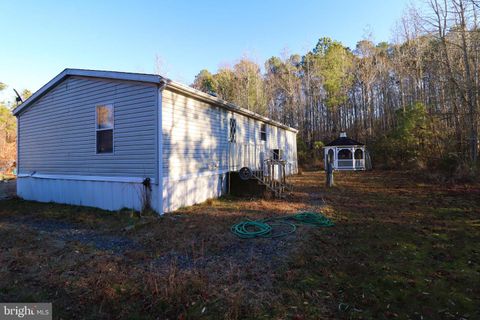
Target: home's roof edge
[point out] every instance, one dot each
(138, 77)
(148, 78)
(225, 104)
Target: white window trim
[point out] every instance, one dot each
(112, 128)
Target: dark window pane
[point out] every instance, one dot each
(263, 132)
(233, 130)
(277, 154)
(105, 141)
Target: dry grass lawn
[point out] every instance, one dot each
(400, 248)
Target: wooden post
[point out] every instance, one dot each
(329, 174)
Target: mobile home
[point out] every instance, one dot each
(110, 139)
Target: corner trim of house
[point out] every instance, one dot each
(81, 178)
(159, 155)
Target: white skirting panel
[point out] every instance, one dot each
(115, 195)
(108, 195)
(192, 190)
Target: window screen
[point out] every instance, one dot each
(277, 154)
(233, 130)
(104, 128)
(263, 132)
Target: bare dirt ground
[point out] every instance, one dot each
(399, 248)
(8, 189)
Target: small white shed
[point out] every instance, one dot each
(345, 153)
(111, 139)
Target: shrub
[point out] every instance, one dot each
(309, 157)
(406, 146)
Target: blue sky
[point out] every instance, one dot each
(41, 38)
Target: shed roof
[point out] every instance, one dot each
(146, 78)
(344, 141)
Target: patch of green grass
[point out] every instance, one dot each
(391, 256)
(449, 213)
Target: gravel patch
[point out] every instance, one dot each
(63, 231)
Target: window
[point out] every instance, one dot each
(233, 130)
(263, 132)
(277, 154)
(104, 128)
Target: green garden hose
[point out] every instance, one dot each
(263, 228)
(251, 229)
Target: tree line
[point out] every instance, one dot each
(8, 133)
(414, 101)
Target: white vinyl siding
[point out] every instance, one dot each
(196, 138)
(59, 137)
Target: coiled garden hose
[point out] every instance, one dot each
(263, 228)
(251, 229)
